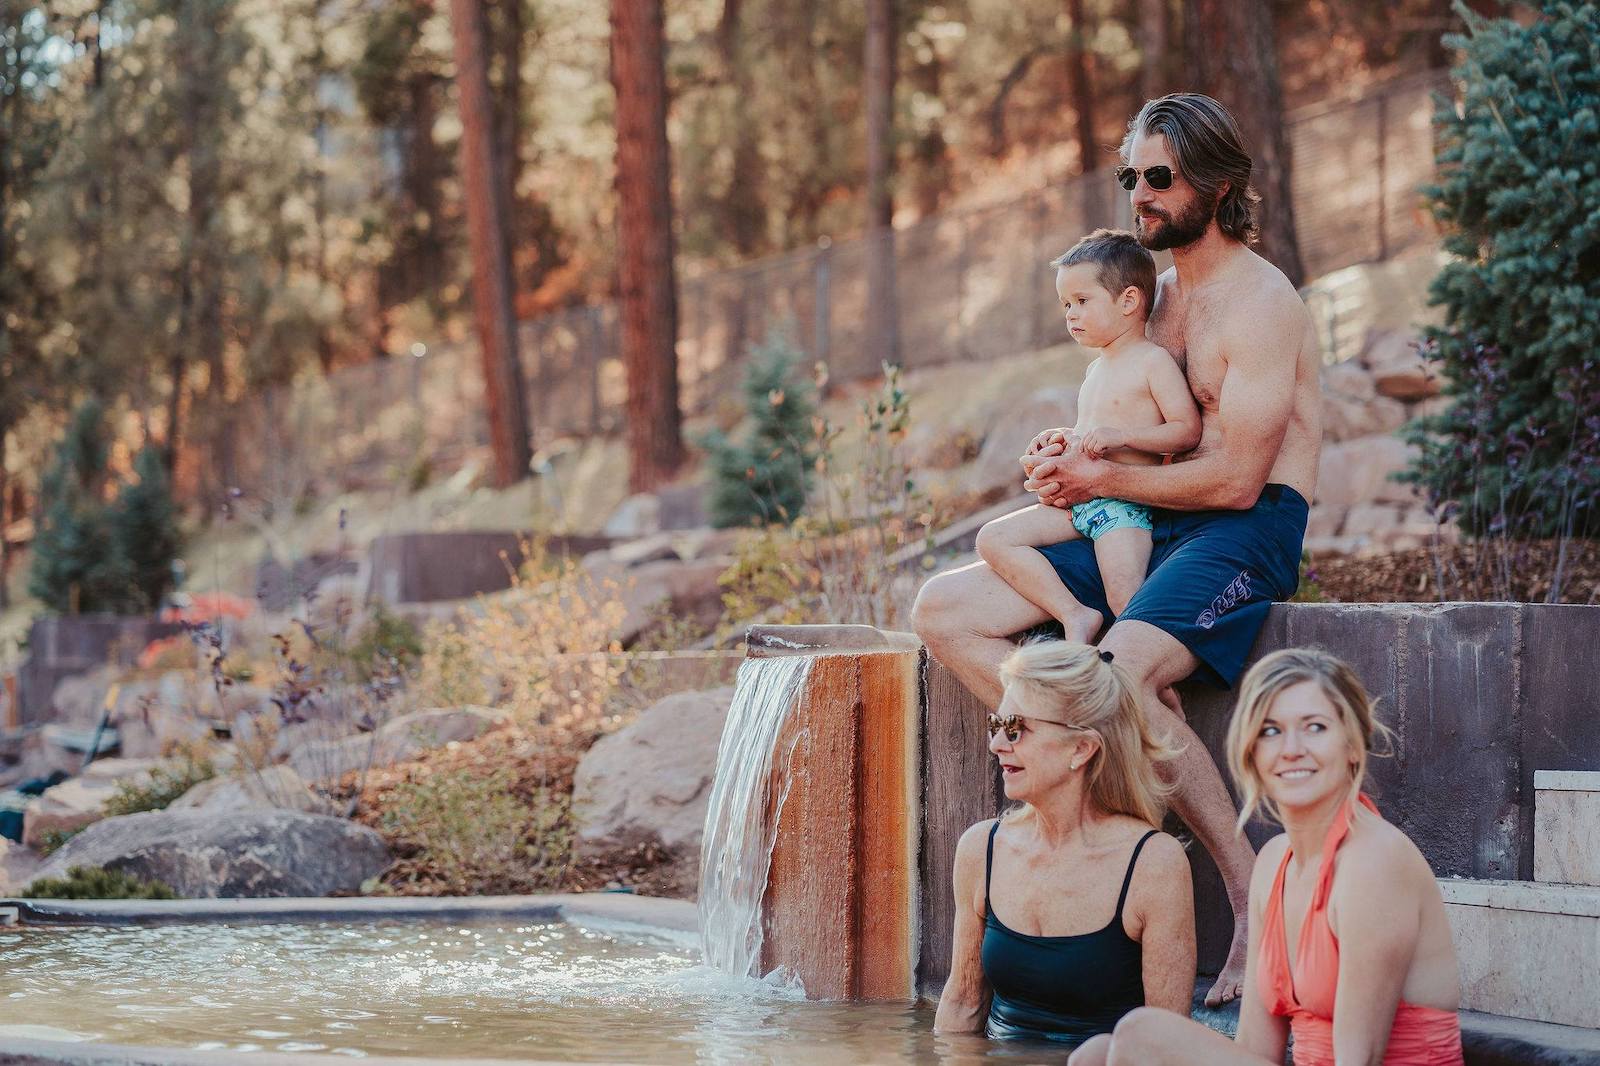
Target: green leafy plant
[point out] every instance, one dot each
(160, 787)
(765, 477)
(96, 882)
(51, 840)
(144, 531)
(1516, 453)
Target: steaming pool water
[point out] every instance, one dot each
(564, 991)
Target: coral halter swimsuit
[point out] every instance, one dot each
(1421, 1036)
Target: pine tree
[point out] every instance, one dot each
(766, 478)
(1518, 451)
(144, 531)
(74, 569)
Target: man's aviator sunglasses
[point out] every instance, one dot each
(1158, 178)
(1012, 725)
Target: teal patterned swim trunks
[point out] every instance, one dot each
(1100, 516)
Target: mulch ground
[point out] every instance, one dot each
(1519, 572)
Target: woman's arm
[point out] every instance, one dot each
(1260, 1031)
(1376, 912)
(1163, 894)
(964, 1003)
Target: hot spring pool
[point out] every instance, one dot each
(571, 990)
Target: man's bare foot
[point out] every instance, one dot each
(1229, 985)
(1081, 626)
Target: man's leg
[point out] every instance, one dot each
(965, 616)
(1155, 660)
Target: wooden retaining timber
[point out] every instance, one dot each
(841, 907)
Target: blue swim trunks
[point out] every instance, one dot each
(1100, 516)
(1212, 576)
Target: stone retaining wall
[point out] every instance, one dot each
(1480, 696)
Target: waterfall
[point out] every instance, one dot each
(737, 848)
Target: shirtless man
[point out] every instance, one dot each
(1230, 514)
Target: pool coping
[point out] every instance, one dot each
(675, 915)
(653, 912)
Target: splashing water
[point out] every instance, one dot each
(738, 836)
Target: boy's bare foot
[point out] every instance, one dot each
(1229, 985)
(1082, 625)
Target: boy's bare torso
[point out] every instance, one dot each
(1187, 325)
(1116, 394)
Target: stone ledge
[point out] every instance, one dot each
(1580, 901)
(1567, 780)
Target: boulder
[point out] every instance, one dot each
(397, 741)
(637, 516)
(245, 853)
(153, 717)
(18, 865)
(996, 467)
(78, 700)
(1345, 418)
(1360, 471)
(1325, 520)
(1398, 370)
(1373, 521)
(1410, 381)
(270, 786)
(1348, 379)
(80, 801)
(650, 782)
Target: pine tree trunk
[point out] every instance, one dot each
(1231, 50)
(745, 211)
(645, 271)
(5, 521)
(487, 216)
(1080, 88)
(883, 341)
(1152, 48)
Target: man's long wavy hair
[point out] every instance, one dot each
(1209, 150)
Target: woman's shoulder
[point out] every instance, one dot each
(974, 841)
(1377, 853)
(1161, 854)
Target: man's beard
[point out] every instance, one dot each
(1177, 232)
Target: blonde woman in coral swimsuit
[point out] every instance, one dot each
(1343, 907)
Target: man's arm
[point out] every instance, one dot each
(1261, 346)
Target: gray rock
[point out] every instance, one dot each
(650, 781)
(80, 801)
(404, 738)
(997, 465)
(636, 516)
(248, 853)
(269, 787)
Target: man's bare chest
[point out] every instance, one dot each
(1195, 350)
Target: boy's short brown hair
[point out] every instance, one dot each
(1121, 261)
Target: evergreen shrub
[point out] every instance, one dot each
(1517, 451)
(765, 477)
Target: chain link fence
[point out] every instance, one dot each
(971, 285)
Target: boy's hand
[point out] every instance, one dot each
(1103, 440)
(1053, 439)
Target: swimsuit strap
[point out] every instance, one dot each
(988, 867)
(1127, 878)
(1330, 848)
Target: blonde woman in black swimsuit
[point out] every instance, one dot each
(1072, 909)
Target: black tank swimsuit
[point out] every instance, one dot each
(1063, 988)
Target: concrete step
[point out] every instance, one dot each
(1527, 950)
(1566, 827)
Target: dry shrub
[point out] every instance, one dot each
(468, 832)
(546, 647)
